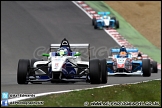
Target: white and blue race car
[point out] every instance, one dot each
(123, 63)
(62, 64)
(105, 21)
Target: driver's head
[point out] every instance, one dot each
(122, 53)
(104, 17)
(123, 49)
(62, 51)
(139, 54)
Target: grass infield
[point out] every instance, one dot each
(147, 92)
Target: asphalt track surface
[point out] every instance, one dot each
(28, 26)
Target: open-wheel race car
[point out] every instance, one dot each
(123, 63)
(105, 21)
(62, 64)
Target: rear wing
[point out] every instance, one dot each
(103, 13)
(127, 49)
(86, 46)
(71, 46)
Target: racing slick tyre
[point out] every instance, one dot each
(93, 20)
(23, 71)
(95, 72)
(117, 24)
(146, 67)
(154, 67)
(95, 25)
(103, 71)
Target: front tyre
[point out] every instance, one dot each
(22, 71)
(117, 24)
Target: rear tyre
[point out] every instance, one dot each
(117, 24)
(95, 72)
(23, 71)
(154, 67)
(95, 25)
(103, 71)
(93, 21)
(146, 67)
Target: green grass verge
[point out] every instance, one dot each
(145, 91)
(129, 32)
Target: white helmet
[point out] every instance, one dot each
(104, 17)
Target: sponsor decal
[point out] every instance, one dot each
(56, 64)
(120, 65)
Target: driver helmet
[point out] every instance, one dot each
(139, 54)
(104, 17)
(123, 51)
(62, 51)
(123, 48)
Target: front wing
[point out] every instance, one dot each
(126, 73)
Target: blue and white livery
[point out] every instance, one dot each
(62, 64)
(105, 21)
(123, 63)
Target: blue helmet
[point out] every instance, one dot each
(123, 48)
